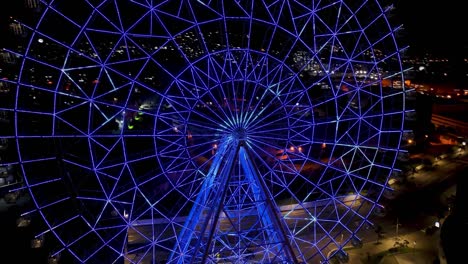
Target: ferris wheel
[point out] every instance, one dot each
(206, 131)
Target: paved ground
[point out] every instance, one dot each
(421, 249)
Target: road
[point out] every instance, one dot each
(296, 217)
(418, 205)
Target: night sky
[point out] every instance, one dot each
(434, 26)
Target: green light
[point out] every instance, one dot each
(130, 125)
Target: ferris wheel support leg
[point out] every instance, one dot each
(196, 237)
(205, 212)
(267, 208)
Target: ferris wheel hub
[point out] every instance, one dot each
(239, 133)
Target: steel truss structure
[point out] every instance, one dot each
(204, 131)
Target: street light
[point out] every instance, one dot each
(397, 225)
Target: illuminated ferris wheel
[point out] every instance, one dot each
(206, 131)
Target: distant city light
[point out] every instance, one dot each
(40, 40)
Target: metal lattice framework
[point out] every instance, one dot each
(206, 131)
